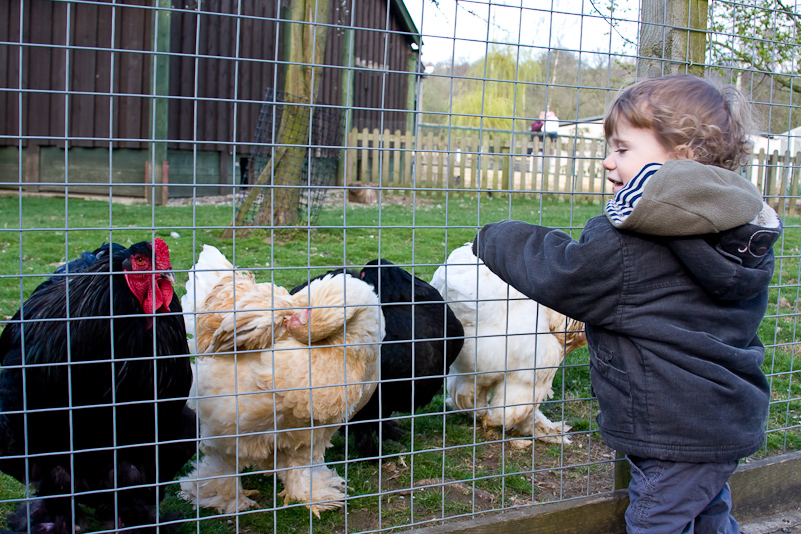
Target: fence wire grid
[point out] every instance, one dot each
(245, 172)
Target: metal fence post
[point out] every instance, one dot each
(622, 472)
(160, 87)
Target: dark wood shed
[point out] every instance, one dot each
(112, 81)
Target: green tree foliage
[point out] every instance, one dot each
(438, 87)
(762, 35)
(755, 45)
(581, 84)
(579, 87)
(493, 92)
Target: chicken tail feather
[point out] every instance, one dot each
(211, 266)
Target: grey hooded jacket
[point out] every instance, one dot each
(671, 309)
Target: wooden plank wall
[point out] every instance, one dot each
(212, 84)
(87, 80)
(57, 82)
(380, 77)
(384, 86)
(9, 62)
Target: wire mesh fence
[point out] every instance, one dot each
(287, 181)
(203, 372)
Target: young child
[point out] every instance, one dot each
(672, 284)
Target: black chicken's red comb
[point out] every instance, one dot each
(162, 254)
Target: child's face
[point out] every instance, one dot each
(632, 149)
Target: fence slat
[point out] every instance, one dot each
(429, 147)
(443, 161)
(781, 200)
(375, 176)
(579, 175)
(535, 164)
(546, 164)
(794, 192)
(497, 163)
(453, 155)
(557, 149)
(353, 161)
(462, 181)
(436, 165)
(761, 158)
(397, 156)
(593, 164)
(365, 154)
(485, 159)
(566, 176)
(473, 155)
(385, 153)
(464, 165)
(407, 161)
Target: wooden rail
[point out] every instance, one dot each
(436, 164)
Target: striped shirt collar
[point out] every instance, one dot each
(625, 200)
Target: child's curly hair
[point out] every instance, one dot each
(690, 117)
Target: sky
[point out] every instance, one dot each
(461, 29)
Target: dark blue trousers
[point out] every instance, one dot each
(679, 498)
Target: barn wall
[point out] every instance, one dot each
(74, 86)
(216, 78)
(381, 82)
(87, 65)
(86, 75)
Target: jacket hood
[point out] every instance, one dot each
(736, 264)
(684, 198)
(717, 223)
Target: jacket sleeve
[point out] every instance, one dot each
(581, 279)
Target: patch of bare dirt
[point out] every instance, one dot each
(210, 200)
(333, 198)
(529, 475)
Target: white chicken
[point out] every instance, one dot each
(512, 348)
(276, 376)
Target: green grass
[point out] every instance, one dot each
(444, 449)
(422, 236)
(419, 479)
(779, 333)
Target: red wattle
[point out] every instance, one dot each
(164, 287)
(156, 298)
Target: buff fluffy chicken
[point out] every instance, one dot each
(276, 376)
(512, 348)
(97, 415)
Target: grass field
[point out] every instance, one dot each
(421, 236)
(446, 466)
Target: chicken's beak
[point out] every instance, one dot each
(167, 275)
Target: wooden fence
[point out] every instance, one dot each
(566, 167)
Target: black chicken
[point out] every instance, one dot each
(80, 419)
(411, 373)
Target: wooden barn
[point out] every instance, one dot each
(141, 82)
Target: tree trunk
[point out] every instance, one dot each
(283, 173)
(672, 37)
(549, 102)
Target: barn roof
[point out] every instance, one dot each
(407, 21)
